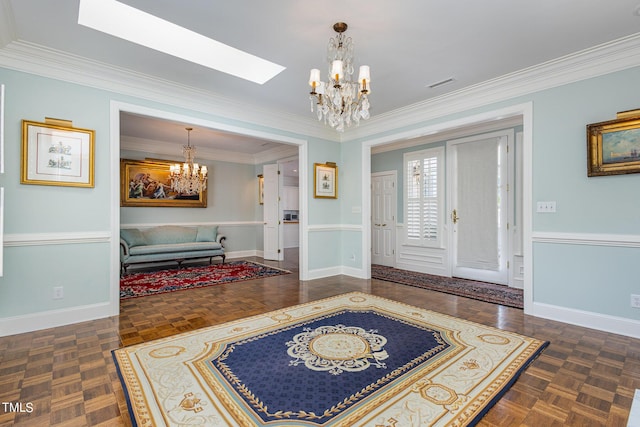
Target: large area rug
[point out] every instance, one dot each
(157, 282)
(353, 359)
(482, 291)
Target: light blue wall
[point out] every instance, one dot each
(599, 205)
(592, 205)
(36, 213)
(590, 277)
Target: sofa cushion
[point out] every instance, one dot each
(207, 233)
(133, 237)
(175, 247)
(167, 234)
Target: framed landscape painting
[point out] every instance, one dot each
(613, 147)
(147, 183)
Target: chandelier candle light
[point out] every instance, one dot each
(340, 101)
(188, 178)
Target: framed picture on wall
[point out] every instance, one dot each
(613, 147)
(55, 153)
(1, 128)
(325, 180)
(147, 183)
(261, 189)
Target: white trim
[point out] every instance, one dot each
(590, 239)
(53, 318)
(321, 273)
(598, 321)
(66, 238)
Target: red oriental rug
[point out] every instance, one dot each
(157, 282)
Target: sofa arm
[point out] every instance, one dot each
(124, 249)
(221, 238)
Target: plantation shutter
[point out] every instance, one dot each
(423, 197)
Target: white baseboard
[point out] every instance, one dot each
(320, 273)
(53, 318)
(601, 322)
(353, 272)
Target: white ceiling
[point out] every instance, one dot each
(409, 44)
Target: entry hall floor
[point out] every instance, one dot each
(67, 375)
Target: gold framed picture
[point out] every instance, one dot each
(56, 154)
(325, 180)
(613, 147)
(147, 183)
(261, 189)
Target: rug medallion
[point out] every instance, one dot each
(354, 359)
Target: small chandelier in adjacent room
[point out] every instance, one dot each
(188, 178)
(340, 101)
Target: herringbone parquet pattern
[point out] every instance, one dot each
(66, 374)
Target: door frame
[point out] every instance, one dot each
(116, 107)
(522, 111)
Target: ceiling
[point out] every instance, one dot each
(409, 44)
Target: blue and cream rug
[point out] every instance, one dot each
(353, 359)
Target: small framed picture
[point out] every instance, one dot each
(261, 189)
(613, 147)
(325, 180)
(56, 154)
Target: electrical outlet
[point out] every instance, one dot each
(635, 301)
(546, 207)
(58, 292)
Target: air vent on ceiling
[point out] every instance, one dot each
(441, 83)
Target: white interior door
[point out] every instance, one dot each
(272, 232)
(479, 207)
(383, 218)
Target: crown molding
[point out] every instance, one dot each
(603, 59)
(173, 151)
(606, 58)
(35, 59)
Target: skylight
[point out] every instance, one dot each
(136, 26)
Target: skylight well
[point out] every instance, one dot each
(131, 24)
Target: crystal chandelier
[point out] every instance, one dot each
(340, 101)
(188, 178)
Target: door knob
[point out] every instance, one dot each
(454, 216)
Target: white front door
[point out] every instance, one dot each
(272, 232)
(479, 207)
(383, 218)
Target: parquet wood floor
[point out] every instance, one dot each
(67, 377)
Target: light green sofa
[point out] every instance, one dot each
(169, 243)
